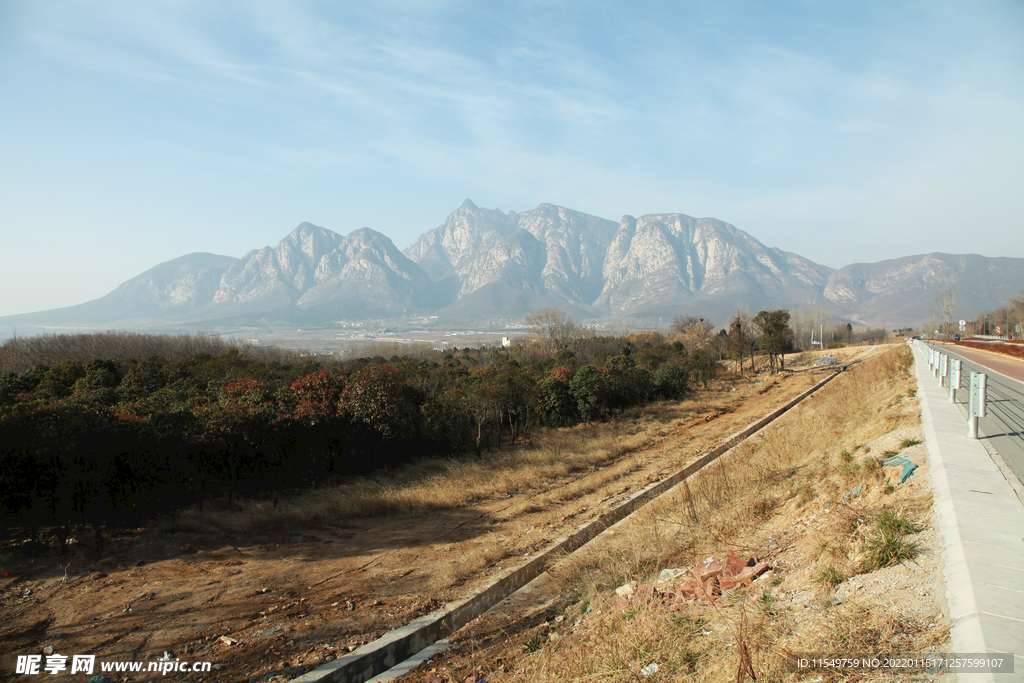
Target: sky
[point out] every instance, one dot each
(134, 132)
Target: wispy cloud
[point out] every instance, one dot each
(788, 119)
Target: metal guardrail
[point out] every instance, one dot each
(987, 395)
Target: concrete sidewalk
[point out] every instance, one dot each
(981, 526)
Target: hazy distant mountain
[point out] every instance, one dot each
(906, 288)
(449, 249)
(366, 274)
(483, 264)
(516, 262)
(316, 275)
(168, 291)
(279, 275)
(660, 264)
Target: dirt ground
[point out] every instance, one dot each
(280, 602)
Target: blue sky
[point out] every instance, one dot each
(134, 132)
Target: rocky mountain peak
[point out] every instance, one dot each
(311, 241)
(481, 263)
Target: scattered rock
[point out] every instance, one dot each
(669, 574)
(626, 590)
(650, 669)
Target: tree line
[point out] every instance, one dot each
(105, 441)
(18, 354)
(95, 432)
(1004, 320)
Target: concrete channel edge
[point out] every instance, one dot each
(404, 642)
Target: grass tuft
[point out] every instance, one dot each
(829, 576)
(887, 544)
(894, 521)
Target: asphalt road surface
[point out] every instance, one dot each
(1003, 427)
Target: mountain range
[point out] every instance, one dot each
(483, 264)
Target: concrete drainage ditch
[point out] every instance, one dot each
(402, 643)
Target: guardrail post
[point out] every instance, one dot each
(954, 379)
(943, 369)
(937, 356)
(979, 381)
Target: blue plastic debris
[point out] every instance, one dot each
(896, 461)
(268, 633)
(854, 493)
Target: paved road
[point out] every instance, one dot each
(980, 518)
(1001, 363)
(1003, 428)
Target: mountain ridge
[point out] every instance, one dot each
(483, 263)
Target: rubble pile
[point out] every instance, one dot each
(704, 584)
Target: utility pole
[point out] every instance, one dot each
(821, 338)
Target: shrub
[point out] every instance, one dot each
(587, 389)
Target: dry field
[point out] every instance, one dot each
(293, 585)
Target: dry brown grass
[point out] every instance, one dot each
(784, 487)
(439, 483)
(465, 562)
(697, 644)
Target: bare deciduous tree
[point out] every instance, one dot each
(809, 323)
(742, 337)
(945, 306)
(555, 330)
(1016, 325)
(20, 353)
(694, 332)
